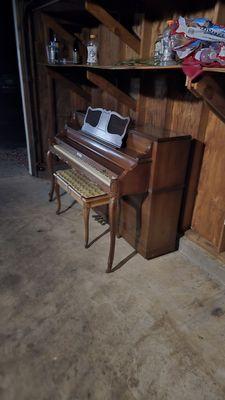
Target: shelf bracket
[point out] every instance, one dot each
(105, 85)
(209, 90)
(72, 86)
(113, 25)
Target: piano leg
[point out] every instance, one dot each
(57, 192)
(86, 212)
(50, 170)
(118, 219)
(113, 231)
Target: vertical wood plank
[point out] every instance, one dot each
(219, 13)
(145, 51)
(209, 211)
(45, 87)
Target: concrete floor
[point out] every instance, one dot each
(153, 330)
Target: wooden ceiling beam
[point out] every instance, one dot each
(108, 87)
(113, 25)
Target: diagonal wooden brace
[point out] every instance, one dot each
(57, 28)
(73, 86)
(209, 90)
(107, 86)
(113, 25)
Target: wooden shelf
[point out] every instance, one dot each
(115, 67)
(128, 67)
(220, 70)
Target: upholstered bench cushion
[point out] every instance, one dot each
(80, 183)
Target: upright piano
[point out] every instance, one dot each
(145, 179)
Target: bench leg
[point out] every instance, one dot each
(113, 231)
(57, 192)
(50, 170)
(86, 212)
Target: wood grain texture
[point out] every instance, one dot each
(219, 13)
(73, 86)
(112, 24)
(45, 85)
(145, 51)
(209, 211)
(191, 184)
(57, 28)
(114, 91)
(149, 223)
(210, 91)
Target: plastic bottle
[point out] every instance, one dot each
(167, 51)
(92, 50)
(158, 50)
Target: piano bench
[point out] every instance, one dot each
(88, 195)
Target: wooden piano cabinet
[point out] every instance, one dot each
(150, 222)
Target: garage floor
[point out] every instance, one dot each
(152, 330)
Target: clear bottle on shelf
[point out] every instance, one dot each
(56, 49)
(50, 52)
(92, 50)
(158, 51)
(167, 51)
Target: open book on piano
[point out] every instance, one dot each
(145, 177)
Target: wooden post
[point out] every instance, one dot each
(144, 53)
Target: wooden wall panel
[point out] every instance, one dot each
(63, 104)
(45, 86)
(77, 102)
(184, 114)
(152, 99)
(162, 102)
(209, 212)
(125, 52)
(46, 108)
(109, 50)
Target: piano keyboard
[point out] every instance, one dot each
(76, 157)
